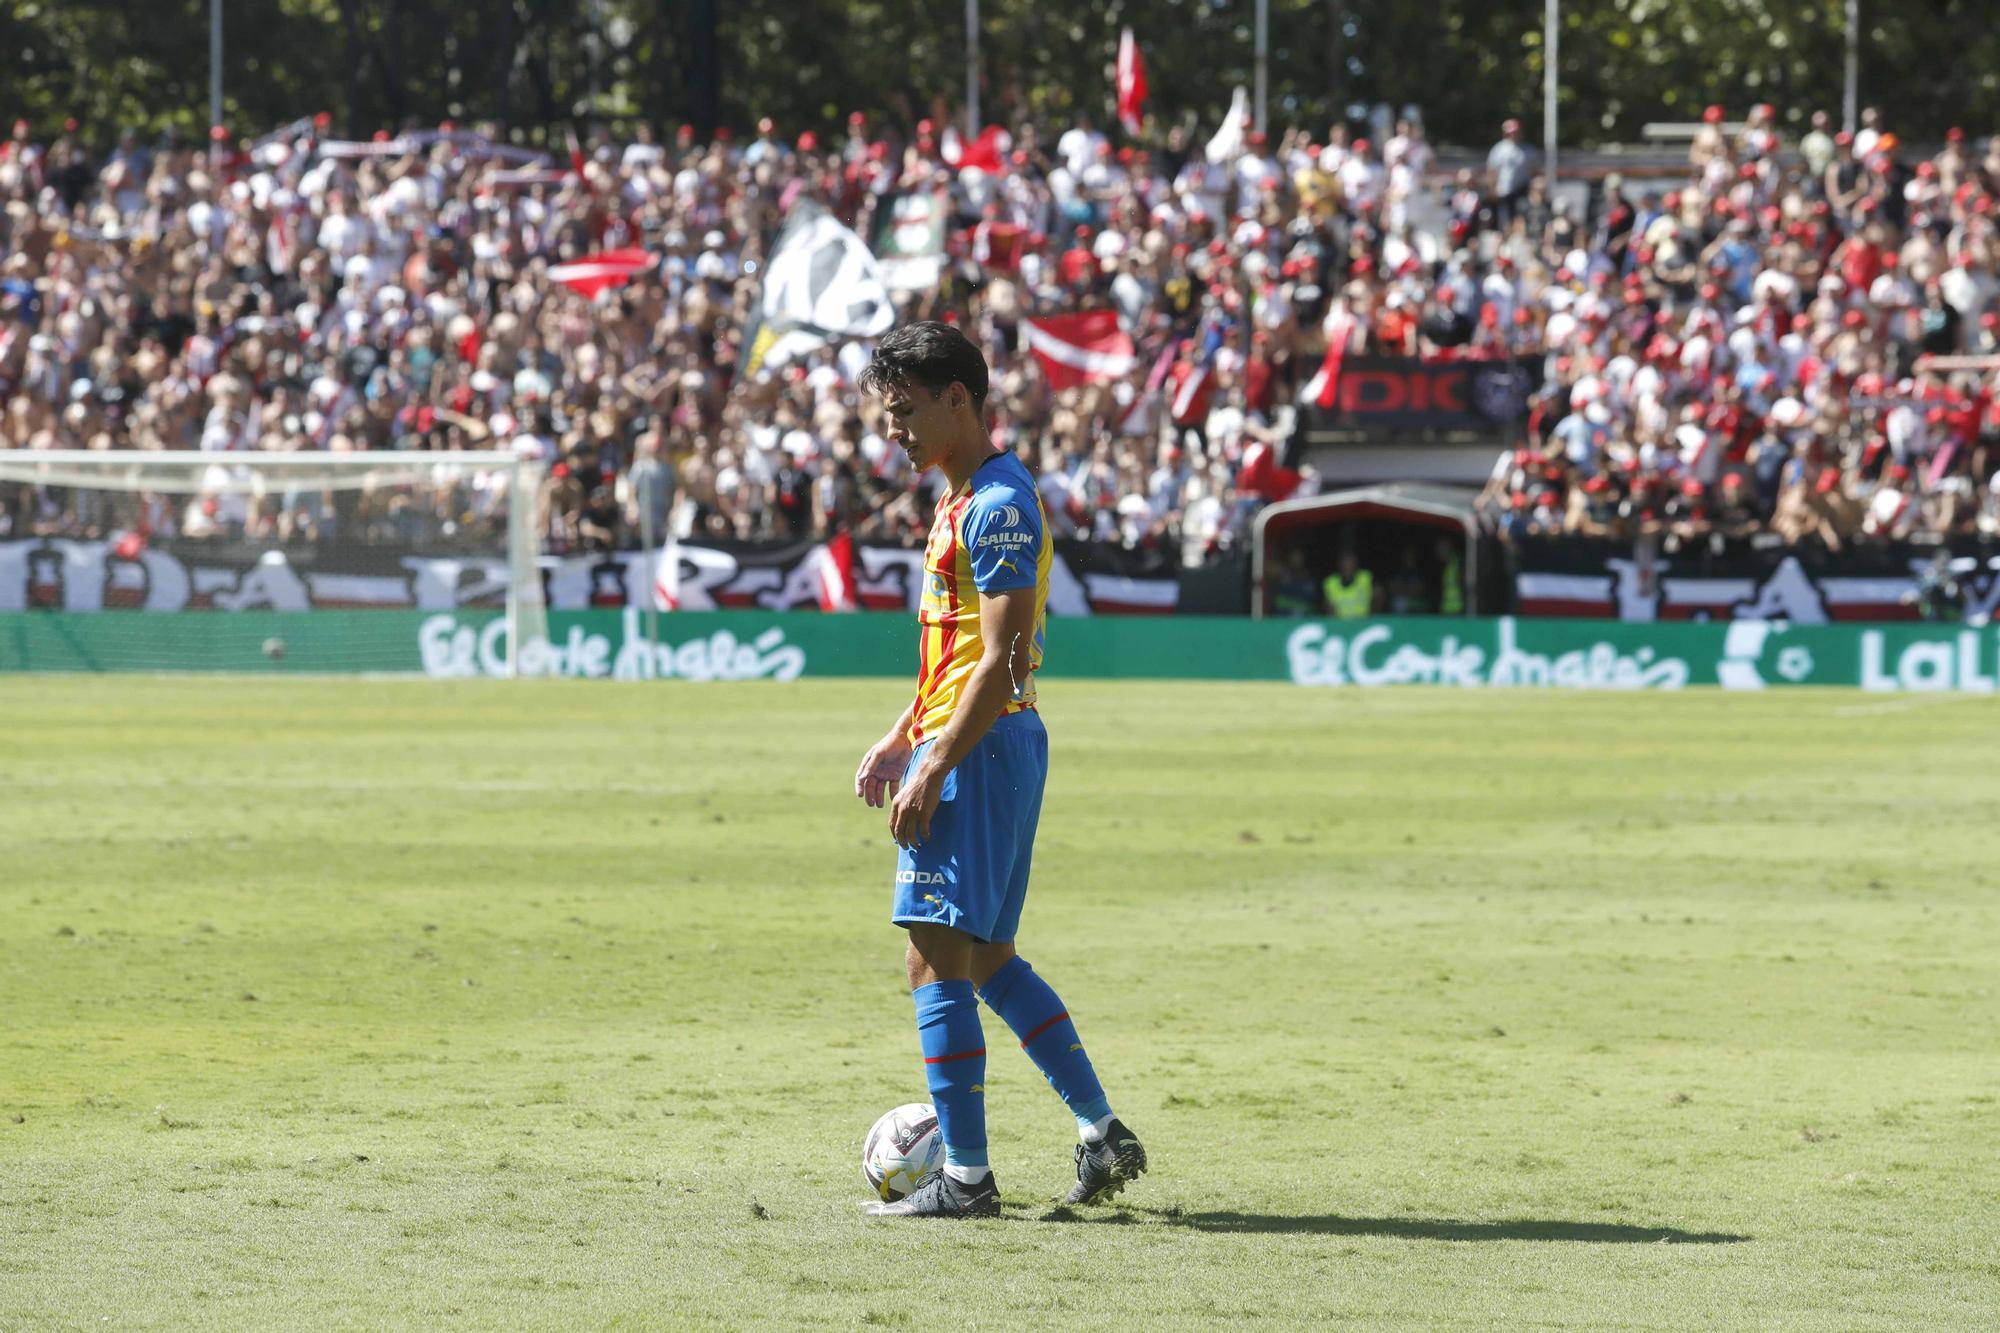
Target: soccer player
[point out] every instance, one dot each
(962, 771)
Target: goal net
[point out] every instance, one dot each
(358, 562)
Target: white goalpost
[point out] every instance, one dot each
(214, 535)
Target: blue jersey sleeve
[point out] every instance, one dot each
(1003, 537)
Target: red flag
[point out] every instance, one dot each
(988, 152)
(1131, 82)
(593, 273)
(575, 151)
(1192, 391)
(1262, 476)
(1323, 389)
(998, 245)
(833, 567)
(1088, 348)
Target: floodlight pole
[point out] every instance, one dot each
(1263, 60)
(971, 70)
(1549, 50)
(214, 63)
(1852, 93)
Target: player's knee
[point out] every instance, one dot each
(937, 953)
(988, 959)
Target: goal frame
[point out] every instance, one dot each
(99, 468)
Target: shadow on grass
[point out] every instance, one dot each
(1408, 1228)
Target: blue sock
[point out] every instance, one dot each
(955, 1067)
(1030, 1006)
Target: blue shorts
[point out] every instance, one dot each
(972, 873)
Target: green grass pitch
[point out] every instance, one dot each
(331, 1004)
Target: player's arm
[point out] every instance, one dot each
(1006, 631)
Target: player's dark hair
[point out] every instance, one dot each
(929, 355)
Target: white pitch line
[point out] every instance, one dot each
(1903, 704)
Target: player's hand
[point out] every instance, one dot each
(910, 813)
(882, 768)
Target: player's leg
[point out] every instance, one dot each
(1040, 1021)
(939, 959)
(954, 1044)
(1109, 1154)
(940, 902)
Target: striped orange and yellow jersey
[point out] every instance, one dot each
(991, 537)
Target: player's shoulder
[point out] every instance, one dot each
(1003, 491)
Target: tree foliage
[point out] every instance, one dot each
(532, 65)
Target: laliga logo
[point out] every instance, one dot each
(1743, 649)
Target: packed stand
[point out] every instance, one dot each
(1794, 340)
(1735, 353)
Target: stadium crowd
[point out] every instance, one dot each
(1741, 349)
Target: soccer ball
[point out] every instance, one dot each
(902, 1149)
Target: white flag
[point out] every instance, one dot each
(1228, 140)
(821, 287)
(667, 573)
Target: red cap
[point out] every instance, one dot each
(322, 119)
(447, 126)
(1598, 484)
(1713, 115)
(1954, 134)
(685, 134)
(1692, 486)
(808, 141)
(1843, 139)
(857, 118)
(1520, 500)
(219, 133)
(1257, 139)
(1361, 145)
(924, 126)
(380, 136)
(1853, 319)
